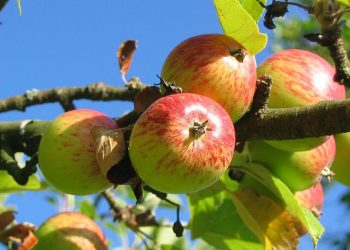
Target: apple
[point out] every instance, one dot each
(216, 66)
(298, 170)
(300, 78)
(70, 231)
(67, 155)
(312, 200)
(341, 164)
(182, 143)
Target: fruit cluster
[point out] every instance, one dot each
(184, 142)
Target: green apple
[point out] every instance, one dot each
(298, 170)
(182, 143)
(216, 66)
(67, 154)
(341, 164)
(70, 231)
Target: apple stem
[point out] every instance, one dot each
(198, 129)
(239, 54)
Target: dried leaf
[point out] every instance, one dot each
(109, 146)
(22, 234)
(145, 98)
(125, 54)
(6, 218)
(267, 219)
(29, 242)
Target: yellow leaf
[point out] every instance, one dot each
(271, 223)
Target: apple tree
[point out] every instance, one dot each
(249, 148)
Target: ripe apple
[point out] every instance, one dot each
(216, 66)
(341, 164)
(70, 231)
(66, 152)
(311, 199)
(300, 78)
(298, 170)
(182, 143)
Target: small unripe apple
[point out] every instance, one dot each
(67, 155)
(298, 170)
(70, 231)
(216, 66)
(182, 143)
(341, 164)
(311, 199)
(300, 78)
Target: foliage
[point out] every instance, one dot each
(225, 215)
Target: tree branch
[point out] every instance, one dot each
(2, 4)
(65, 96)
(324, 118)
(126, 214)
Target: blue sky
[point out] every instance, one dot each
(74, 43)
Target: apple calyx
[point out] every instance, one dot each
(198, 129)
(316, 212)
(239, 54)
(326, 172)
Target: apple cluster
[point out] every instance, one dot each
(184, 142)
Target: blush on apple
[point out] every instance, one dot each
(67, 155)
(312, 200)
(216, 66)
(70, 231)
(182, 143)
(299, 78)
(298, 170)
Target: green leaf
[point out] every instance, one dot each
(280, 190)
(345, 2)
(239, 24)
(215, 220)
(88, 208)
(253, 8)
(19, 7)
(8, 184)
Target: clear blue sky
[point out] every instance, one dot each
(74, 43)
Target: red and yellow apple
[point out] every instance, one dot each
(312, 200)
(70, 231)
(298, 170)
(67, 155)
(182, 143)
(216, 66)
(300, 78)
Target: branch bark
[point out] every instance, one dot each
(65, 96)
(324, 118)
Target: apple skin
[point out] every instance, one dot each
(205, 65)
(312, 200)
(341, 164)
(298, 170)
(67, 155)
(70, 231)
(300, 78)
(168, 158)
